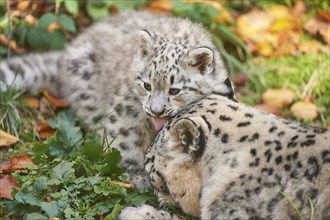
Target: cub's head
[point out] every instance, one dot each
(175, 71)
(174, 163)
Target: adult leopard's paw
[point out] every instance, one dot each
(145, 212)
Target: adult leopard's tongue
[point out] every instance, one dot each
(159, 123)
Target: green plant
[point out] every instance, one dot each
(73, 177)
(15, 116)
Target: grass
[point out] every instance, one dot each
(294, 73)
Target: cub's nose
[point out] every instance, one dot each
(157, 112)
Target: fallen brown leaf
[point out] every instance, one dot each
(124, 185)
(268, 108)
(325, 15)
(304, 109)
(161, 7)
(56, 102)
(4, 166)
(52, 27)
(278, 97)
(19, 162)
(12, 44)
(7, 183)
(318, 26)
(23, 5)
(16, 163)
(44, 130)
(299, 9)
(309, 47)
(7, 139)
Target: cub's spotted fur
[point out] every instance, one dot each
(141, 68)
(218, 159)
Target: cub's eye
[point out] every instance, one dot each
(147, 86)
(174, 91)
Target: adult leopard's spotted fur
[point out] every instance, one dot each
(219, 159)
(130, 73)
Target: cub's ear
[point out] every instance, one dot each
(145, 43)
(189, 135)
(201, 58)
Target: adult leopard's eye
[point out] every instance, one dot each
(147, 86)
(174, 91)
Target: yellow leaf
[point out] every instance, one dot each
(278, 11)
(304, 109)
(254, 25)
(31, 101)
(7, 139)
(278, 97)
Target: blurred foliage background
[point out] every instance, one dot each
(266, 44)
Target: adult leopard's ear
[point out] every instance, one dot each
(201, 58)
(190, 136)
(145, 43)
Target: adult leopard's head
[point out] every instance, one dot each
(174, 164)
(174, 71)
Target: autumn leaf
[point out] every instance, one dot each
(161, 7)
(44, 130)
(271, 33)
(31, 101)
(278, 97)
(124, 185)
(12, 44)
(309, 47)
(20, 162)
(6, 139)
(7, 183)
(304, 109)
(59, 103)
(318, 26)
(16, 163)
(268, 108)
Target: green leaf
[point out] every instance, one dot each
(97, 12)
(124, 5)
(57, 40)
(114, 213)
(93, 150)
(35, 216)
(67, 22)
(21, 33)
(99, 3)
(40, 187)
(72, 6)
(112, 159)
(39, 151)
(46, 20)
(38, 38)
(62, 171)
(27, 198)
(68, 139)
(51, 208)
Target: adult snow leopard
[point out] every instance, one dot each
(131, 72)
(219, 159)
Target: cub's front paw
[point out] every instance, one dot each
(145, 212)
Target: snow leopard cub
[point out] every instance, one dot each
(131, 72)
